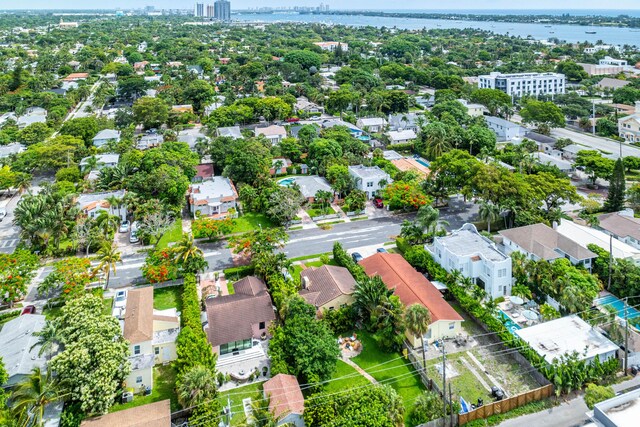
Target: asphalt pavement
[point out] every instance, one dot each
(597, 143)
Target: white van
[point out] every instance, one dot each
(133, 236)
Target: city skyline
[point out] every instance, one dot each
(356, 4)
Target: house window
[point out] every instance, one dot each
(369, 184)
(452, 325)
(156, 351)
(136, 350)
(262, 325)
(139, 380)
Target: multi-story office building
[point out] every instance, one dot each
(210, 11)
(198, 10)
(222, 10)
(521, 84)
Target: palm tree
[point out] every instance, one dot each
(108, 256)
(90, 164)
(30, 397)
(48, 339)
(435, 136)
(521, 290)
(186, 251)
(107, 223)
(489, 212)
(367, 296)
(427, 217)
(417, 320)
(196, 386)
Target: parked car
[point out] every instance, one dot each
(30, 309)
(356, 257)
(121, 299)
(381, 250)
(133, 236)
(378, 203)
(124, 227)
(292, 120)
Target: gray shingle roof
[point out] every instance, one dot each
(326, 283)
(542, 241)
(16, 338)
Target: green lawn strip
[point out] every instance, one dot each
(230, 287)
(173, 234)
(529, 408)
(320, 263)
(297, 269)
(166, 298)
(359, 218)
(354, 380)
(409, 386)
(319, 211)
(251, 221)
(164, 382)
(254, 391)
(305, 257)
(107, 304)
(299, 227)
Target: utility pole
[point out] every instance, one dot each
(444, 377)
(450, 407)
(228, 415)
(593, 119)
(626, 336)
(610, 260)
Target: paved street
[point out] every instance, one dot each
(597, 143)
(568, 414)
(9, 234)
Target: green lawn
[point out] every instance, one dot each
(164, 380)
(166, 298)
(305, 257)
(317, 211)
(409, 386)
(297, 269)
(465, 384)
(251, 221)
(107, 305)
(173, 234)
(254, 391)
(320, 263)
(354, 380)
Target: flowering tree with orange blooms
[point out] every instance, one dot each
(405, 196)
(211, 228)
(70, 276)
(16, 271)
(159, 267)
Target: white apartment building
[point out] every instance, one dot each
(475, 257)
(520, 84)
(369, 179)
(607, 60)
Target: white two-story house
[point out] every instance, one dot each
(475, 257)
(213, 197)
(151, 335)
(369, 179)
(629, 127)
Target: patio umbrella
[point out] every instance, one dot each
(516, 300)
(531, 315)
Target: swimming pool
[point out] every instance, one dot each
(618, 305)
(510, 324)
(422, 161)
(286, 182)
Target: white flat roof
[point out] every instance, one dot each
(556, 337)
(619, 411)
(586, 235)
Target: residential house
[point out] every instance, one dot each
(568, 335)
(197, 70)
(238, 321)
(623, 109)
(372, 124)
(585, 236)
(473, 110)
(409, 163)
(426, 101)
(214, 197)
(74, 77)
(612, 84)
(192, 136)
(105, 136)
(401, 136)
(279, 166)
(219, 102)
(405, 121)
(370, 179)
(547, 159)
(11, 149)
(621, 225)
(356, 131)
(286, 402)
(273, 133)
(414, 288)
(19, 351)
(504, 129)
(91, 204)
(204, 172)
(332, 46)
(539, 241)
(570, 152)
(150, 140)
(303, 104)
(230, 132)
(151, 335)
(31, 116)
(475, 257)
(310, 185)
(629, 127)
(328, 287)
(391, 155)
(618, 411)
(157, 414)
(295, 129)
(109, 160)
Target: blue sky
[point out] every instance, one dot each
(353, 4)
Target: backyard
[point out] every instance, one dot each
(254, 391)
(167, 298)
(164, 380)
(353, 380)
(172, 235)
(389, 368)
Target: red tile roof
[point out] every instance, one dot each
(410, 286)
(284, 395)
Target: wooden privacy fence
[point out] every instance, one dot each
(506, 404)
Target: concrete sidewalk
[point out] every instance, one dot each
(568, 414)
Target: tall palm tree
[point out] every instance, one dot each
(196, 386)
(108, 256)
(30, 397)
(435, 137)
(48, 339)
(367, 296)
(417, 320)
(489, 212)
(186, 250)
(107, 223)
(90, 164)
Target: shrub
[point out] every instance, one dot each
(597, 393)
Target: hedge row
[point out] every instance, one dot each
(343, 259)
